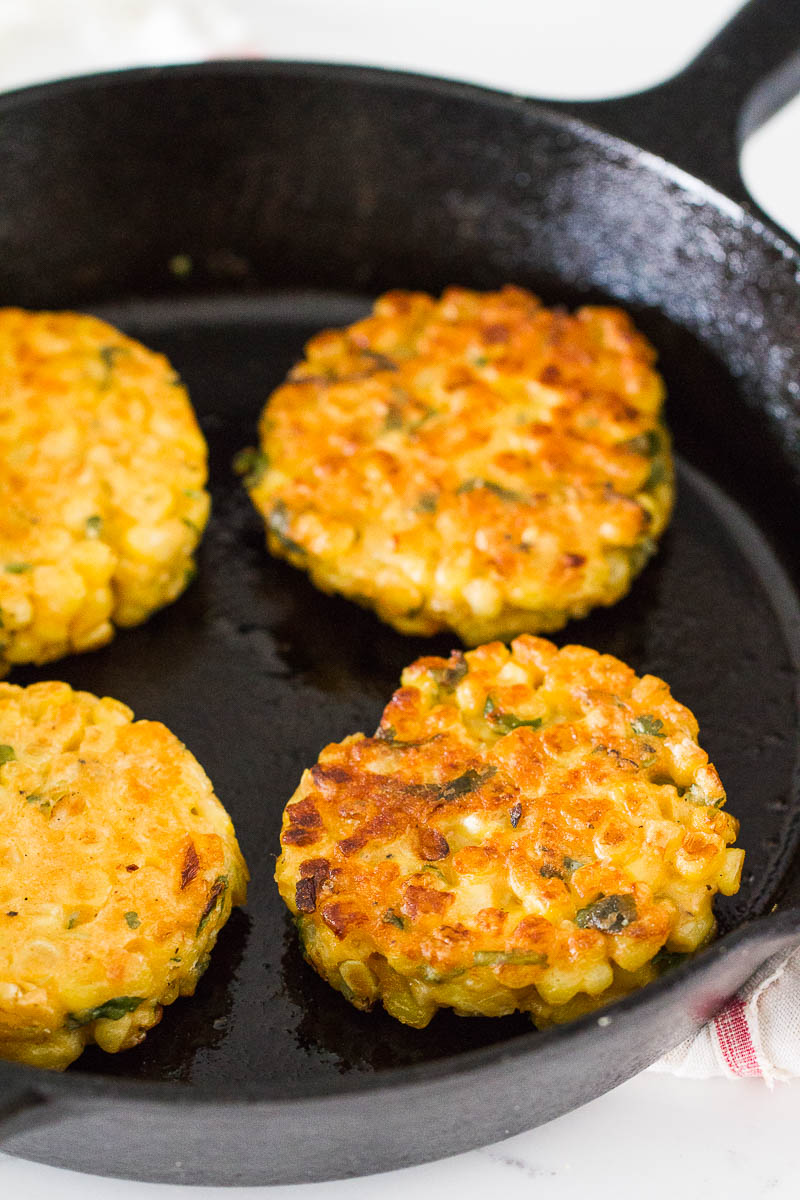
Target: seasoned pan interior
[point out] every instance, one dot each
(255, 670)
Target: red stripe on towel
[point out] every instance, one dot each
(733, 1035)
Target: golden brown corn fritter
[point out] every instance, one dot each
(528, 829)
(119, 866)
(102, 476)
(477, 463)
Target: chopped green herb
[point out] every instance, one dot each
(639, 555)
(410, 612)
(251, 464)
(388, 734)
(427, 502)
(72, 920)
(18, 568)
(648, 726)
(413, 426)
(94, 526)
(548, 871)
(191, 525)
(431, 975)
(111, 1010)
(506, 721)
(470, 781)
(572, 864)
(480, 360)
(390, 917)
(381, 362)
(394, 419)
(614, 753)
(451, 675)
(658, 473)
(666, 959)
(497, 489)
(108, 357)
(434, 871)
(647, 444)
(696, 795)
(521, 958)
(278, 523)
(306, 933)
(346, 990)
(132, 920)
(609, 914)
(217, 889)
(7, 754)
(503, 493)
(180, 265)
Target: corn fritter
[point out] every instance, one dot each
(102, 474)
(529, 829)
(118, 868)
(478, 463)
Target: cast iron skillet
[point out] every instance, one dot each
(295, 193)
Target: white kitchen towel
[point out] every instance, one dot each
(757, 1033)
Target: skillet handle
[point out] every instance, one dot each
(700, 118)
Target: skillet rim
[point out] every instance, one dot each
(555, 111)
(44, 1084)
(769, 927)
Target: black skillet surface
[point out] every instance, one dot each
(296, 193)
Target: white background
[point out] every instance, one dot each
(656, 1136)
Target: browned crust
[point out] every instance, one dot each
(477, 462)
(521, 814)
